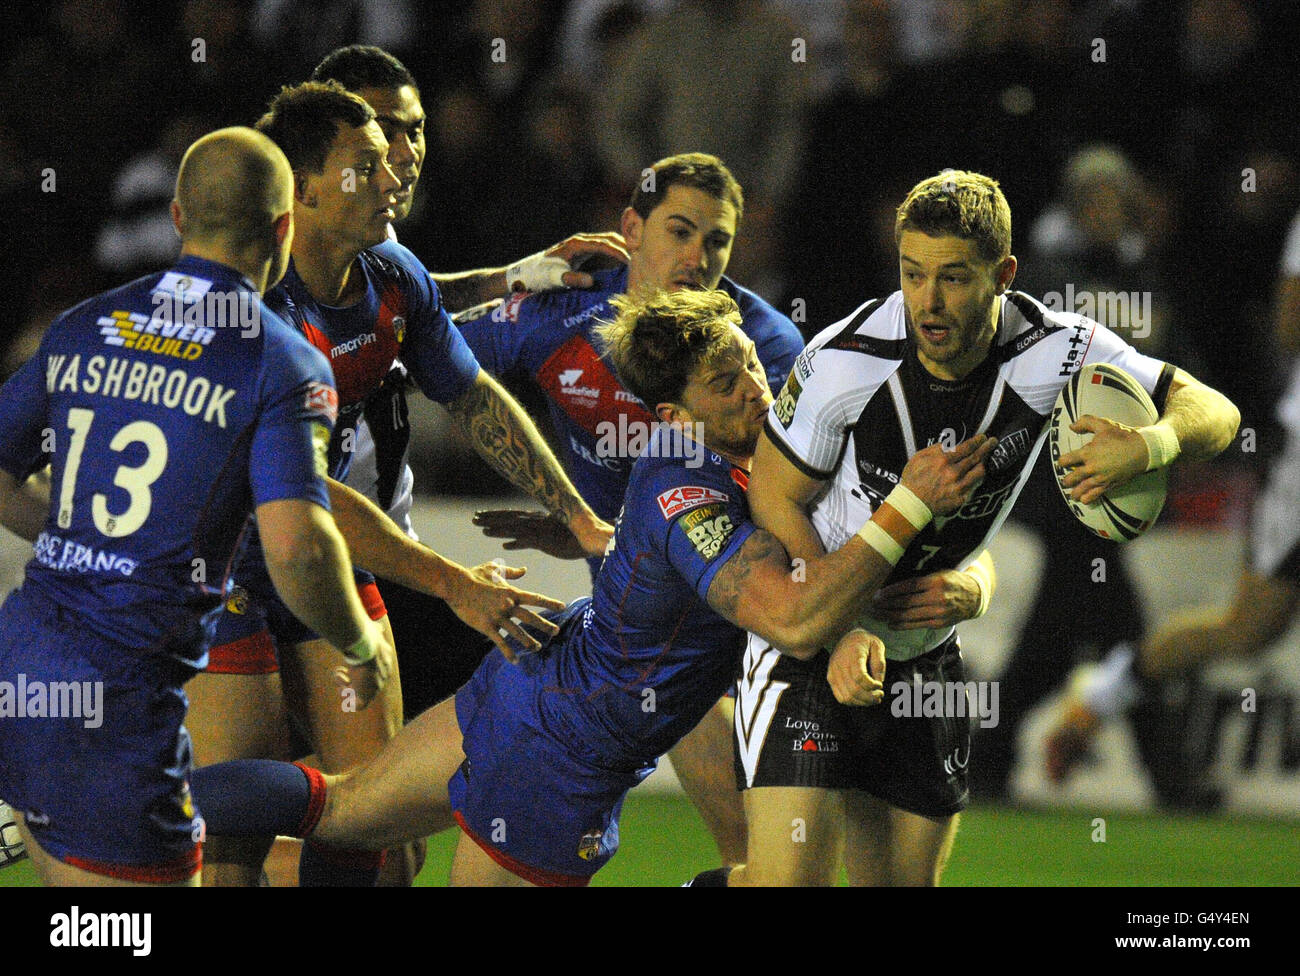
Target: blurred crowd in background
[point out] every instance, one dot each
(1147, 147)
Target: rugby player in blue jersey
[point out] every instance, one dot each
(365, 301)
(680, 226)
(163, 423)
(533, 758)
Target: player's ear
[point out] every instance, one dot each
(302, 192)
(1006, 273)
(283, 227)
(631, 225)
(176, 219)
(668, 412)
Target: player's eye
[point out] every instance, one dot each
(911, 275)
(955, 279)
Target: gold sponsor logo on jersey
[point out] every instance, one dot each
(786, 402)
(131, 330)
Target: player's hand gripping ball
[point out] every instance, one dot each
(1103, 390)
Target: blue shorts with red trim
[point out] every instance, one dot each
(252, 626)
(92, 746)
(525, 794)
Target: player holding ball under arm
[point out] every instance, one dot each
(952, 354)
(533, 759)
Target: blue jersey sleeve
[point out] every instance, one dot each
(704, 523)
(497, 335)
(433, 349)
(288, 454)
(24, 410)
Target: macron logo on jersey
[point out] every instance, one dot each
(673, 503)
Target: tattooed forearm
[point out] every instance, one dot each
(505, 437)
(731, 580)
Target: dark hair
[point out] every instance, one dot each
(699, 170)
(303, 120)
(657, 342)
(360, 66)
(962, 204)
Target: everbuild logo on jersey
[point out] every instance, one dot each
(142, 333)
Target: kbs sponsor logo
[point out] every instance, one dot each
(683, 499)
(66, 556)
(322, 400)
(508, 311)
(708, 527)
(807, 736)
(785, 403)
(320, 443)
(131, 330)
(589, 846)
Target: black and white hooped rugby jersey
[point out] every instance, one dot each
(858, 403)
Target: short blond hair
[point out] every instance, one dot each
(657, 342)
(961, 204)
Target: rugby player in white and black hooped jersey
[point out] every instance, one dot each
(954, 353)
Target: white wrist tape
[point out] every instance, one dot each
(1162, 445)
(366, 646)
(881, 541)
(910, 507)
(979, 573)
(915, 514)
(537, 272)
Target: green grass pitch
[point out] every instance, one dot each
(664, 843)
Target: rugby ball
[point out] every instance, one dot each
(1103, 390)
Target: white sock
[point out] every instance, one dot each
(1113, 687)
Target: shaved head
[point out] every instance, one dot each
(232, 185)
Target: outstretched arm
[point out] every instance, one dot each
(505, 436)
(800, 612)
(545, 270)
(480, 596)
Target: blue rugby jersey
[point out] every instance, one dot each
(167, 409)
(651, 657)
(548, 337)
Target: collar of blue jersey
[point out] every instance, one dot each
(213, 271)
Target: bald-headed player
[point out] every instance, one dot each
(165, 410)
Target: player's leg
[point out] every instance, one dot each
(473, 868)
(705, 766)
(402, 792)
(343, 734)
(56, 874)
(887, 846)
(237, 712)
(1261, 611)
(796, 837)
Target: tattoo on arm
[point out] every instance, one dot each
(735, 575)
(505, 437)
